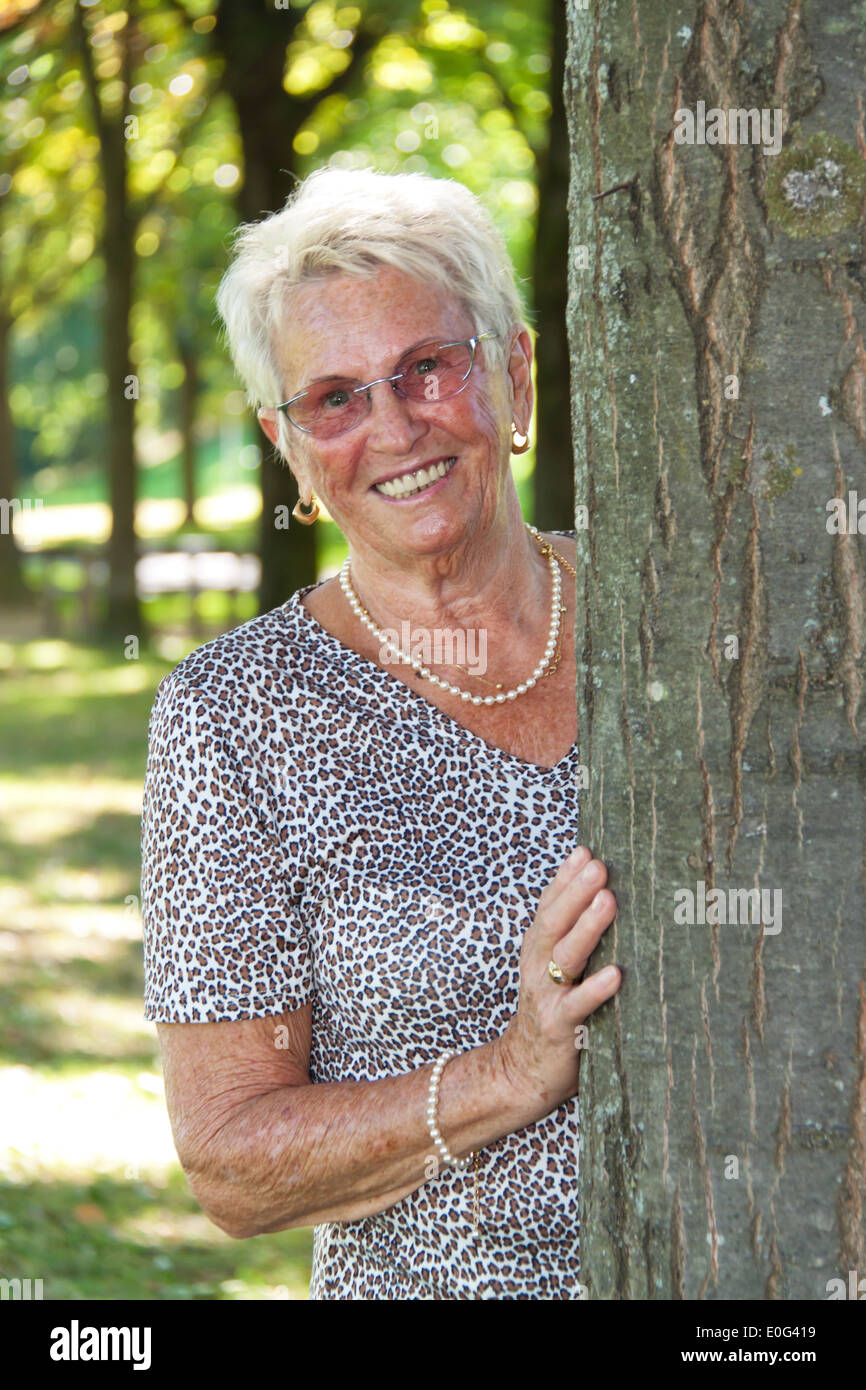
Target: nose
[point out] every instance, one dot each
(392, 425)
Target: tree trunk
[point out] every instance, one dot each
(122, 616)
(188, 401)
(12, 587)
(719, 380)
(253, 43)
(553, 480)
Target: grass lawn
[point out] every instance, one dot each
(92, 1199)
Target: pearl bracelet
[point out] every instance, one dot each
(432, 1102)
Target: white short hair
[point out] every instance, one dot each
(352, 222)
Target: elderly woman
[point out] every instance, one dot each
(359, 859)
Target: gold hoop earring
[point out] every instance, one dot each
(306, 517)
(523, 445)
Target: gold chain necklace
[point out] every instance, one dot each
(552, 654)
(546, 550)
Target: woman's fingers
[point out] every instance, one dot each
(573, 950)
(574, 888)
(573, 912)
(585, 998)
(567, 871)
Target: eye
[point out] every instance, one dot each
(336, 398)
(425, 365)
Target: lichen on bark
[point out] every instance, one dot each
(816, 186)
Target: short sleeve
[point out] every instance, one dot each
(223, 938)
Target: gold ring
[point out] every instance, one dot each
(556, 974)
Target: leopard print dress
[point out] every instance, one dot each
(315, 830)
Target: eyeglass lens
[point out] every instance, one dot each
(431, 372)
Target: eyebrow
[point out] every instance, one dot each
(345, 376)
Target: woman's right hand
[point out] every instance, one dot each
(539, 1049)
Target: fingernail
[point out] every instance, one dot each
(578, 855)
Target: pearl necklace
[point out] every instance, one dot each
(417, 665)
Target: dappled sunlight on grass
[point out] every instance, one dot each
(37, 812)
(139, 1237)
(77, 712)
(155, 1226)
(51, 927)
(45, 654)
(111, 1027)
(66, 1009)
(63, 884)
(125, 678)
(75, 1126)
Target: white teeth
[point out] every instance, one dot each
(415, 482)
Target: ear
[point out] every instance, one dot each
(520, 374)
(270, 424)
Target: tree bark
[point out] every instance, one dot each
(718, 388)
(553, 479)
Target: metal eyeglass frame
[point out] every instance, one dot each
(471, 343)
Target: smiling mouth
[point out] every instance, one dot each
(410, 483)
